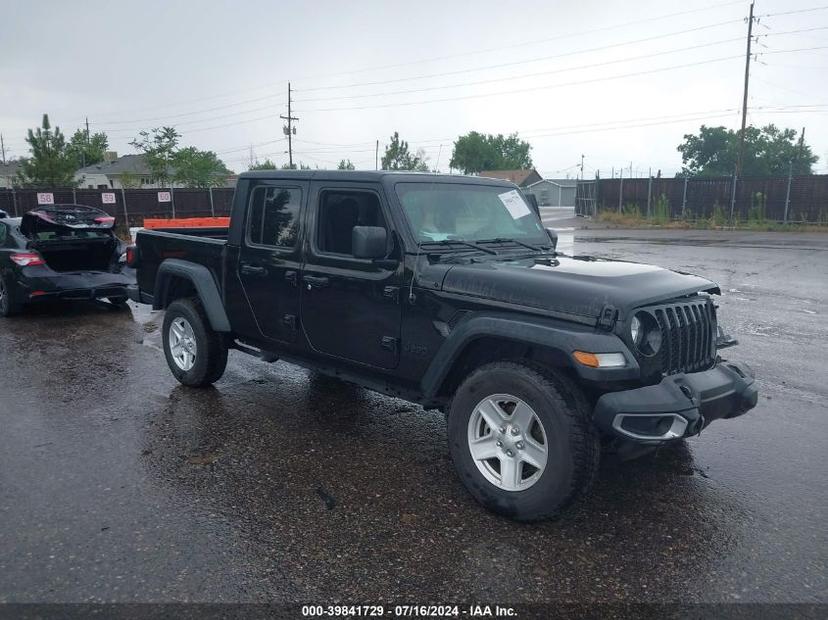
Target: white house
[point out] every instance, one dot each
(113, 171)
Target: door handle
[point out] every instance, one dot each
(316, 281)
(292, 277)
(252, 270)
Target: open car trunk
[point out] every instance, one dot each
(72, 237)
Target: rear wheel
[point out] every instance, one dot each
(9, 305)
(521, 440)
(196, 355)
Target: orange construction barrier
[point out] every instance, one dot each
(188, 222)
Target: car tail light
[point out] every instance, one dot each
(131, 255)
(106, 220)
(28, 259)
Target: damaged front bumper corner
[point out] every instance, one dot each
(679, 406)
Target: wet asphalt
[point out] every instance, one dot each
(277, 485)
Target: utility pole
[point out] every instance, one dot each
(741, 155)
(3, 148)
(83, 151)
(582, 166)
(376, 157)
(289, 130)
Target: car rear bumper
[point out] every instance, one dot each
(680, 406)
(74, 286)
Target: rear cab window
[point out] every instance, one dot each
(273, 216)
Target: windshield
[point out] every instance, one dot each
(451, 211)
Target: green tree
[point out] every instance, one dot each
(50, 165)
(267, 164)
(769, 151)
(129, 180)
(195, 168)
(158, 148)
(345, 164)
(87, 151)
(294, 167)
(398, 157)
(475, 152)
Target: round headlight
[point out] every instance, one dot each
(646, 333)
(635, 329)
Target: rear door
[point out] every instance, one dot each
(350, 306)
(270, 260)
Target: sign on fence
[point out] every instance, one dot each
(45, 198)
(164, 197)
(108, 198)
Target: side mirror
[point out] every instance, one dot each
(553, 237)
(369, 241)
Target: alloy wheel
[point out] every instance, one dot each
(182, 343)
(507, 442)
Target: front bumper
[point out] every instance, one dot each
(680, 406)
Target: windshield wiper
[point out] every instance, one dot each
(509, 240)
(446, 242)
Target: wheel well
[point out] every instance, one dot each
(492, 349)
(177, 287)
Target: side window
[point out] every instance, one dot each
(273, 218)
(339, 212)
(3, 234)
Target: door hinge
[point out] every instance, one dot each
(289, 321)
(392, 293)
(389, 343)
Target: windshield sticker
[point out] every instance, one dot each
(514, 204)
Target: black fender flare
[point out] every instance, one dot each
(544, 333)
(204, 284)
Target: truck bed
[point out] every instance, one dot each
(203, 246)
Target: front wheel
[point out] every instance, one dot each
(196, 355)
(521, 440)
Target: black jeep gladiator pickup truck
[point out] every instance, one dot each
(447, 291)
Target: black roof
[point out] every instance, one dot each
(371, 176)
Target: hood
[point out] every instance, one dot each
(580, 286)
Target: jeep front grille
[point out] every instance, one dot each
(688, 335)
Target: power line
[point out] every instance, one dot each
(537, 41)
(525, 75)
(527, 61)
(527, 89)
(166, 118)
(433, 59)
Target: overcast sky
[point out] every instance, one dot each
(618, 82)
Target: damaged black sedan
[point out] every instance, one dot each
(60, 252)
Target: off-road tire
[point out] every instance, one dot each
(9, 304)
(211, 350)
(572, 442)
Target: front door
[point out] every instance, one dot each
(270, 261)
(351, 307)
